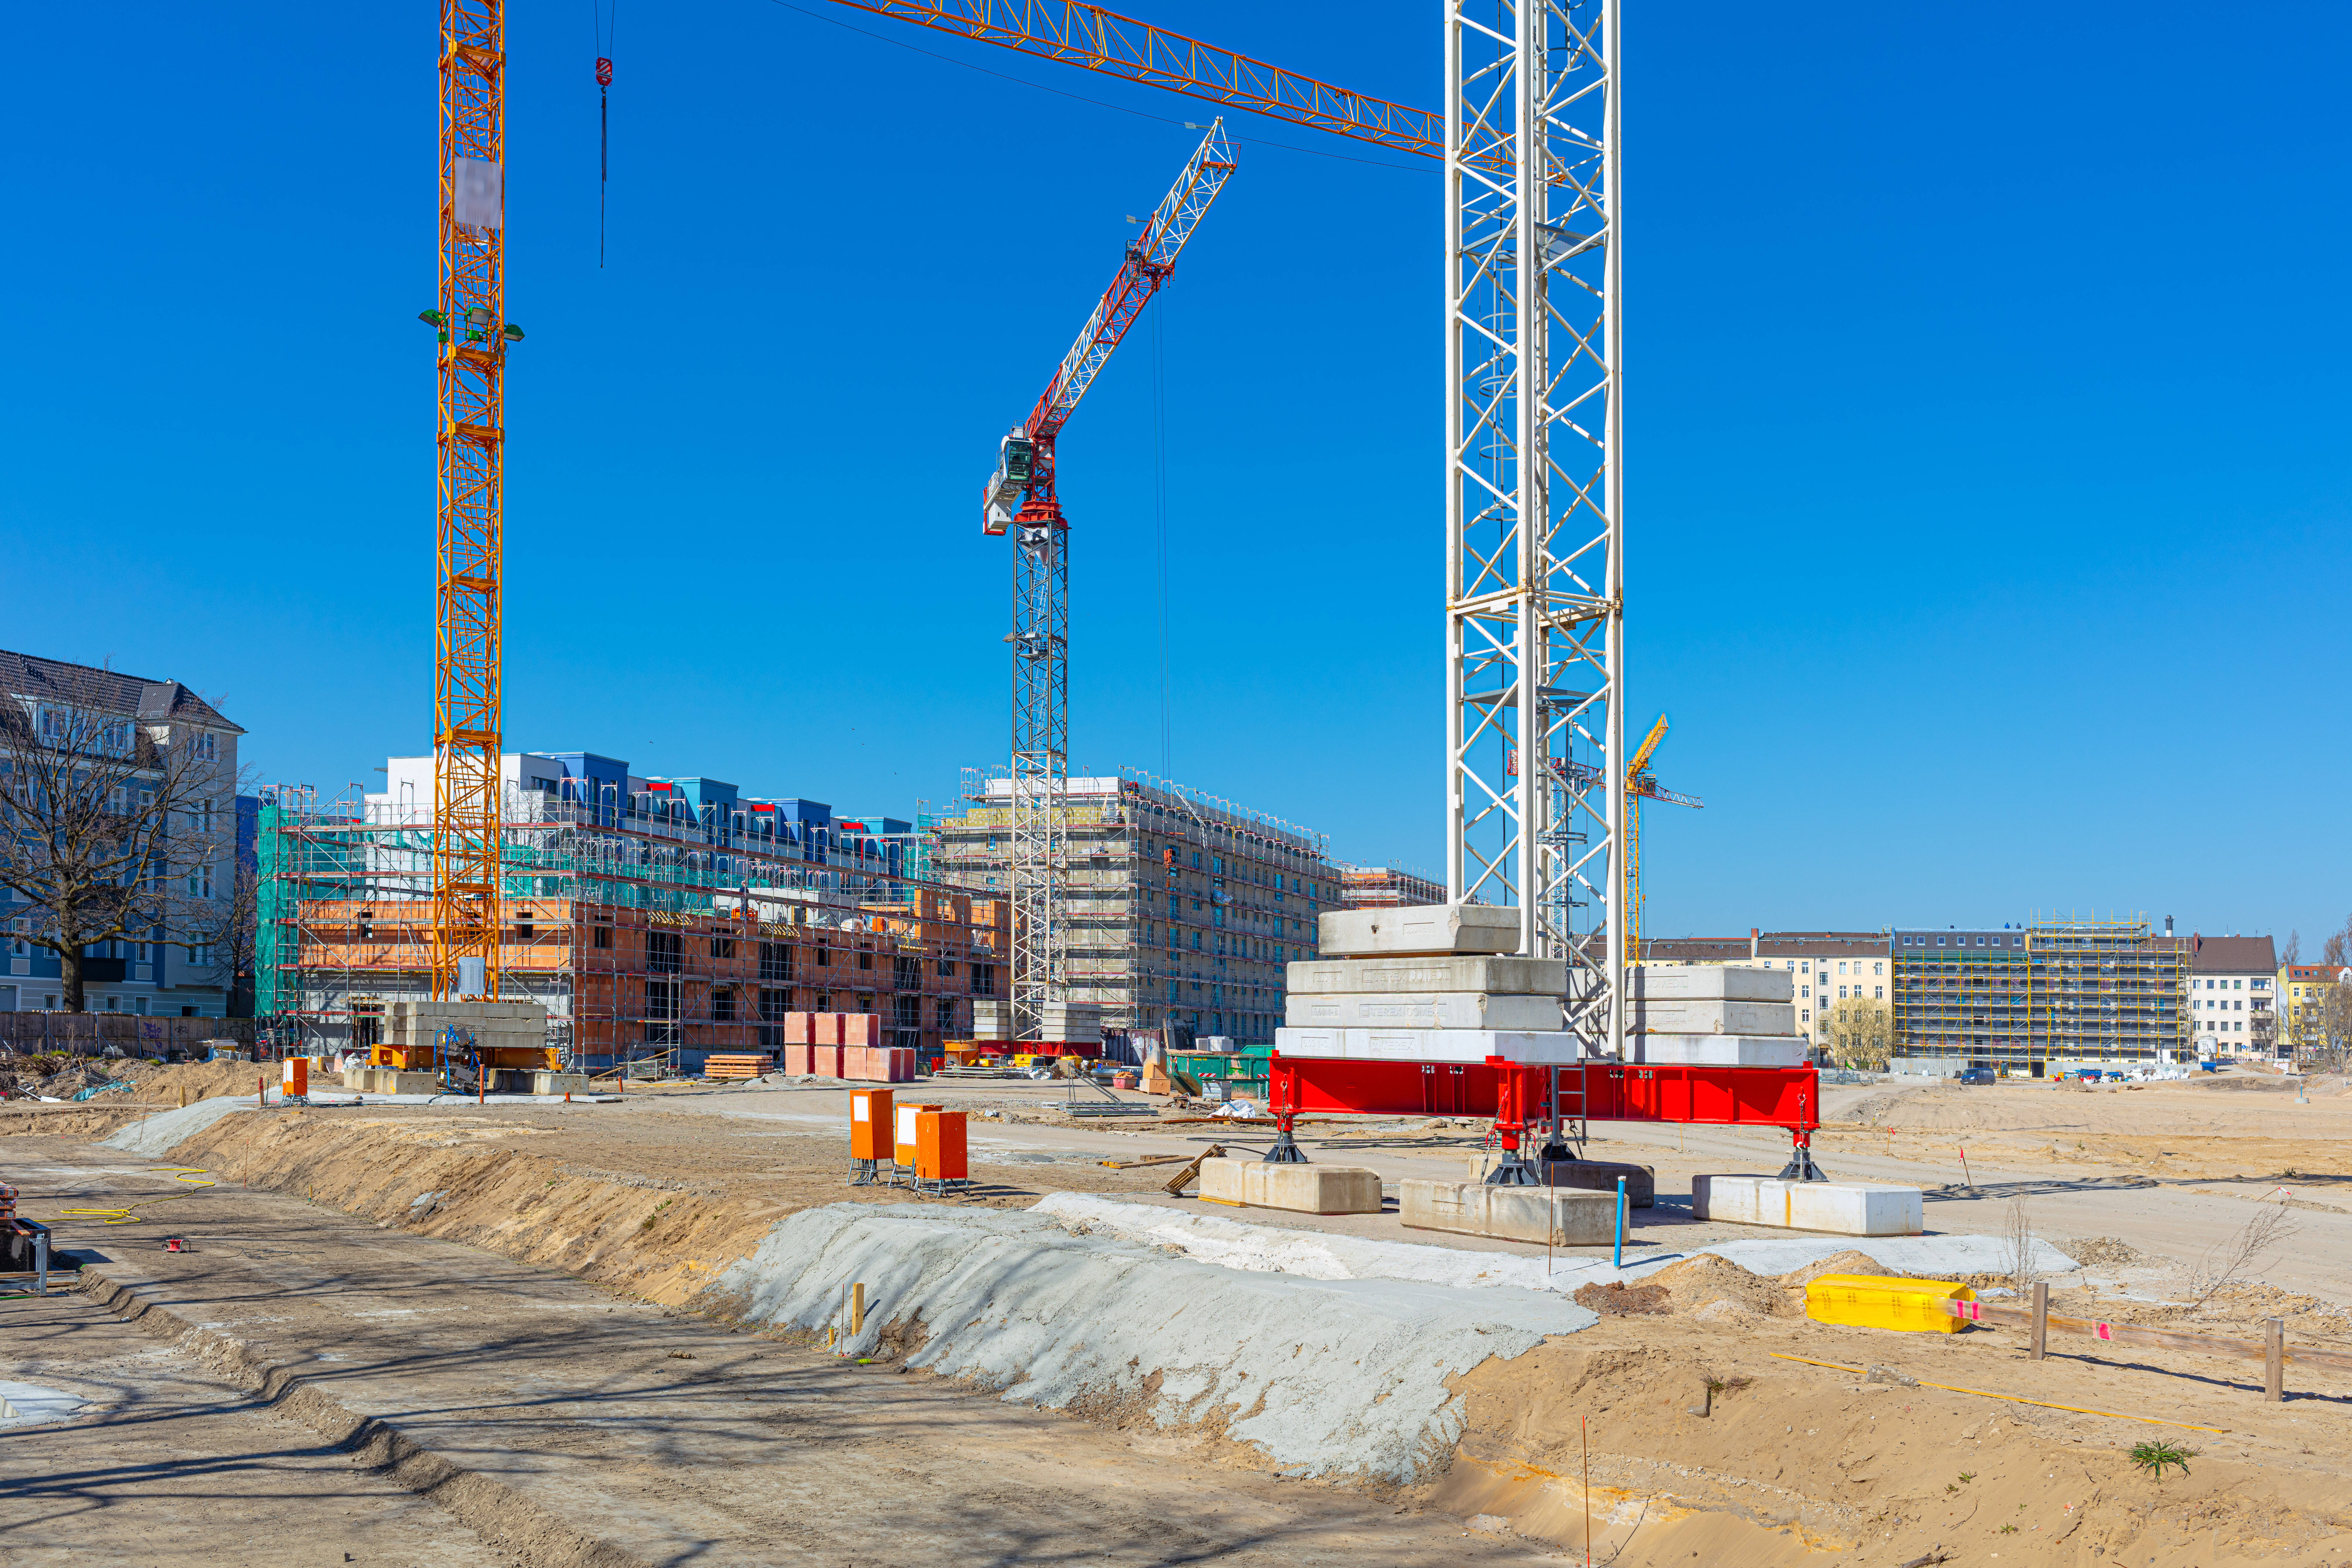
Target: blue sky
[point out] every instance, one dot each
(1986, 438)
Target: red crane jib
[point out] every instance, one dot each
(1137, 282)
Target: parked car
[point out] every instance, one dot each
(1978, 1074)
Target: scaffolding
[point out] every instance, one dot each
(1180, 909)
(643, 931)
(2048, 992)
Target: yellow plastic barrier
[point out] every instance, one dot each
(1878, 1301)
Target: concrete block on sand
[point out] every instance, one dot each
(559, 1083)
(1556, 1216)
(1424, 1009)
(1713, 1017)
(1504, 976)
(1708, 982)
(1324, 1377)
(1302, 1189)
(1443, 928)
(389, 1081)
(1584, 1176)
(1716, 1051)
(1840, 1208)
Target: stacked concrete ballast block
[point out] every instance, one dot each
(1712, 1014)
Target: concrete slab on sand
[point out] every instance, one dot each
(1344, 1377)
(1843, 1208)
(561, 1424)
(1304, 1189)
(1545, 1217)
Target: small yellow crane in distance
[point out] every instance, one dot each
(1642, 784)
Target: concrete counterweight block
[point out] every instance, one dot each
(1554, 1216)
(1838, 1209)
(1448, 930)
(1302, 1189)
(559, 1083)
(1584, 1176)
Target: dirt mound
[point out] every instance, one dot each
(2104, 1252)
(1614, 1299)
(1850, 1261)
(1698, 1283)
(202, 1080)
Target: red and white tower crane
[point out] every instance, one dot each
(1022, 497)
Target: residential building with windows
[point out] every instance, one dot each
(1387, 887)
(650, 916)
(1825, 966)
(2302, 992)
(2233, 995)
(1183, 910)
(2039, 997)
(164, 972)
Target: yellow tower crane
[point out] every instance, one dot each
(1642, 784)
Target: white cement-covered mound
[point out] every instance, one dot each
(158, 1135)
(1310, 1254)
(1344, 1376)
(1323, 1254)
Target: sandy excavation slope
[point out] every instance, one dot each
(1798, 1464)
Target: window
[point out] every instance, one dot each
(943, 1018)
(823, 960)
(774, 1003)
(984, 980)
(604, 936)
(947, 967)
(775, 961)
(722, 947)
(864, 960)
(722, 1007)
(664, 954)
(204, 745)
(1878, 991)
(1879, 968)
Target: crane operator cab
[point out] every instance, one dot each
(1014, 456)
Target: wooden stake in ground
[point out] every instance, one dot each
(2275, 1359)
(2038, 1345)
(1584, 1431)
(857, 1309)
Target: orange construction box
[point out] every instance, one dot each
(296, 1075)
(871, 1126)
(903, 1150)
(938, 1147)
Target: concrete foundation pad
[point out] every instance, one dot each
(1586, 1176)
(1439, 928)
(1554, 1216)
(1303, 1189)
(1840, 1208)
(559, 1083)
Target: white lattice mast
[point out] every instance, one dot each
(1535, 730)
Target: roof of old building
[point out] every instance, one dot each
(108, 691)
(2233, 954)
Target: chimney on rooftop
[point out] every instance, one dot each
(2167, 925)
(1752, 935)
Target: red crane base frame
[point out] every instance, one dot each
(1517, 1096)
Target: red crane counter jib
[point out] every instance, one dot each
(1023, 484)
(1518, 1097)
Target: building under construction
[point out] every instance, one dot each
(1180, 910)
(651, 917)
(2039, 997)
(1387, 888)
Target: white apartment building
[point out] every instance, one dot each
(2232, 996)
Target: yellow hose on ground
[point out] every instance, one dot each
(127, 1214)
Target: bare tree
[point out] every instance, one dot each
(1861, 1034)
(235, 937)
(2332, 1040)
(111, 830)
(2292, 953)
(2337, 953)
(2016, 1246)
(2228, 1261)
